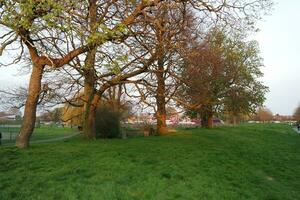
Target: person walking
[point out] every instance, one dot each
(298, 126)
(0, 138)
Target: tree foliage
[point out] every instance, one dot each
(221, 74)
(263, 114)
(99, 44)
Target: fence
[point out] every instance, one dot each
(9, 132)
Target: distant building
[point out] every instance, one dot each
(10, 115)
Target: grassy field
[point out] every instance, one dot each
(42, 133)
(48, 132)
(245, 162)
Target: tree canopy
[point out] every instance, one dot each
(98, 44)
(221, 74)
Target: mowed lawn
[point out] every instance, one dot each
(245, 162)
(42, 133)
(50, 132)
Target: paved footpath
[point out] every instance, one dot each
(46, 140)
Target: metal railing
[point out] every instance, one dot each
(9, 132)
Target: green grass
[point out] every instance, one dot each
(48, 132)
(42, 133)
(245, 162)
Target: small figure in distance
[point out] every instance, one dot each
(0, 138)
(298, 126)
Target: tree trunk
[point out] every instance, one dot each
(89, 110)
(161, 114)
(210, 121)
(89, 124)
(234, 120)
(207, 117)
(89, 79)
(204, 120)
(29, 118)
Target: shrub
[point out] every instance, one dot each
(107, 123)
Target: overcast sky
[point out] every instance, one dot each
(279, 40)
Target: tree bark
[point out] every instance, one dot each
(234, 120)
(90, 79)
(89, 94)
(207, 117)
(204, 120)
(89, 113)
(29, 118)
(210, 121)
(161, 114)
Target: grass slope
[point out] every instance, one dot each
(246, 162)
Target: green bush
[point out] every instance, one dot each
(107, 123)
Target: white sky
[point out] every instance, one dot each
(279, 41)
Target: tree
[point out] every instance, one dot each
(248, 92)
(204, 79)
(297, 114)
(171, 22)
(27, 23)
(72, 115)
(222, 74)
(264, 114)
(54, 115)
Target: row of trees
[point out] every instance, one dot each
(264, 114)
(154, 51)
